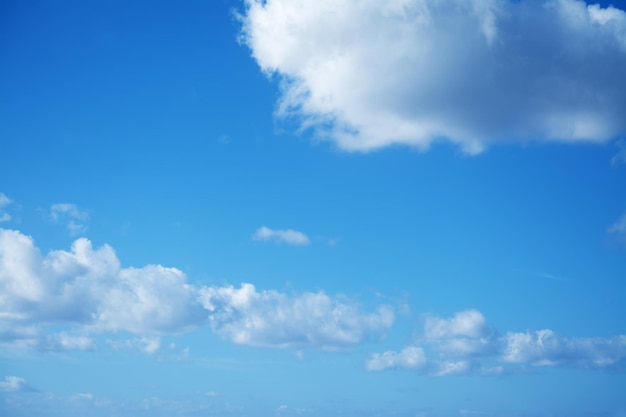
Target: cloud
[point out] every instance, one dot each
(466, 344)
(83, 396)
(289, 236)
(619, 226)
(15, 384)
(88, 289)
(367, 75)
(4, 202)
(148, 345)
(273, 319)
(620, 157)
(88, 286)
(73, 217)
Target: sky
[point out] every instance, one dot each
(412, 208)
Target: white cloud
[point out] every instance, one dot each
(411, 357)
(273, 319)
(15, 384)
(87, 286)
(469, 323)
(289, 236)
(89, 290)
(148, 345)
(4, 202)
(545, 348)
(465, 344)
(70, 214)
(83, 396)
(366, 75)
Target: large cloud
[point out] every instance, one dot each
(88, 288)
(367, 74)
(466, 344)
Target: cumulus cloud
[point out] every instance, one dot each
(71, 215)
(289, 236)
(88, 286)
(367, 75)
(88, 289)
(4, 202)
(466, 344)
(273, 319)
(15, 384)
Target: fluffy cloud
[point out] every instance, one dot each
(70, 214)
(273, 319)
(366, 75)
(466, 344)
(88, 286)
(4, 202)
(289, 236)
(88, 289)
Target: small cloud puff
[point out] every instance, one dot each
(147, 345)
(289, 236)
(620, 157)
(70, 214)
(619, 227)
(15, 384)
(4, 202)
(466, 344)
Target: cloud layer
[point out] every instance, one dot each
(466, 344)
(88, 289)
(366, 75)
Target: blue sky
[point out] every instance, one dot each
(312, 208)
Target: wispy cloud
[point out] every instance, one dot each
(71, 215)
(403, 81)
(148, 345)
(620, 157)
(466, 344)
(619, 227)
(15, 384)
(289, 236)
(4, 202)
